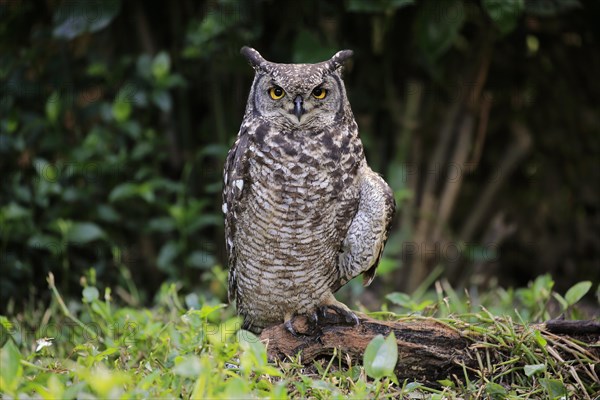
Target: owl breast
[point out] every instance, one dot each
(300, 200)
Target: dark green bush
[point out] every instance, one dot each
(115, 118)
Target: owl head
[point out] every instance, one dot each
(298, 96)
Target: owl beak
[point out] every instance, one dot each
(298, 109)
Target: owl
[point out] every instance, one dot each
(304, 213)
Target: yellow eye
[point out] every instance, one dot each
(319, 93)
(276, 92)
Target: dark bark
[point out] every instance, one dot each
(573, 328)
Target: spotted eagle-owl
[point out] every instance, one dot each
(304, 213)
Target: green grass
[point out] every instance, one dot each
(94, 348)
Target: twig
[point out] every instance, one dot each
(66, 311)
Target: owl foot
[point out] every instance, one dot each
(312, 322)
(342, 315)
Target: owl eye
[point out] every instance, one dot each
(276, 92)
(319, 93)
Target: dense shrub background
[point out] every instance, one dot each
(116, 116)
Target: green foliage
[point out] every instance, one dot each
(72, 19)
(115, 121)
(577, 291)
(11, 371)
(504, 13)
(437, 26)
(381, 356)
(531, 304)
(496, 391)
(97, 349)
(554, 388)
(114, 124)
(534, 369)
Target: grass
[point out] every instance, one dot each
(93, 348)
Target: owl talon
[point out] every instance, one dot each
(312, 322)
(347, 316)
(289, 326)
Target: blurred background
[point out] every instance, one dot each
(116, 117)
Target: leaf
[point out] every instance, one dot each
(381, 356)
(201, 259)
(495, 391)
(4, 333)
(412, 386)
(206, 310)
(72, 18)
(46, 171)
(321, 385)
(167, 254)
(121, 109)
(162, 99)
(128, 189)
(237, 388)
(53, 244)
(400, 299)
(144, 66)
(554, 388)
(192, 301)
(254, 353)
(56, 389)
(14, 211)
(563, 303)
(90, 294)
(533, 369)
(161, 66)
(161, 224)
(105, 381)
(53, 105)
(504, 13)
(577, 291)
(84, 232)
(10, 370)
(123, 191)
(437, 26)
(387, 265)
(279, 391)
(188, 366)
(107, 213)
(540, 339)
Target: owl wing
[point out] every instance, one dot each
(364, 242)
(234, 175)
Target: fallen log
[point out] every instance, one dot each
(430, 350)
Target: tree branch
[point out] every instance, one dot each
(428, 349)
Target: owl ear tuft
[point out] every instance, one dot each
(338, 59)
(254, 58)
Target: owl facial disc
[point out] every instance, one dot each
(304, 97)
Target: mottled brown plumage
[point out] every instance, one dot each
(304, 213)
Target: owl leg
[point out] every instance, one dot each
(344, 314)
